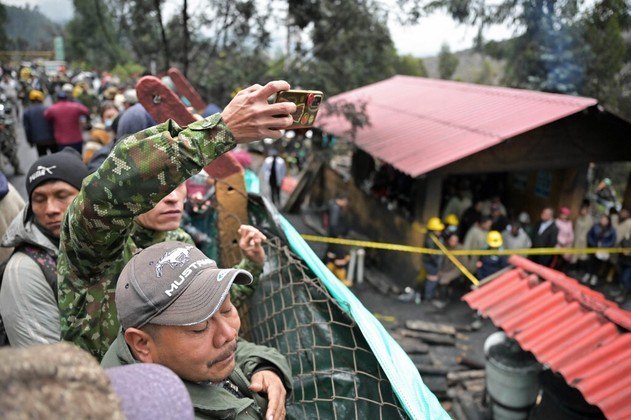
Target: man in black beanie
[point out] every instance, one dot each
(28, 296)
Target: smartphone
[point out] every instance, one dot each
(307, 104)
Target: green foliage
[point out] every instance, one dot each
(138, 26)
(128, 72)
(498, 50)
(548, 56)
(92, 36)
(26, 28)
(607, 51)
(345, 44)
(486, 74)
(410, 66)
(447, 62)
(4, 39)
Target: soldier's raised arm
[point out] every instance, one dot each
(142, 169)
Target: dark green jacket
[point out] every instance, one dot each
(210, 401)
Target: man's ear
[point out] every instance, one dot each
(141, 344)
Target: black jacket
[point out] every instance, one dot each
(36, 127)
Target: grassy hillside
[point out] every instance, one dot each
(28, 29)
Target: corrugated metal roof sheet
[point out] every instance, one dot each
(568, 327)
(419, 124)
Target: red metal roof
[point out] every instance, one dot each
(568, 327)
(418, 124)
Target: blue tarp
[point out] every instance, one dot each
(417, 400)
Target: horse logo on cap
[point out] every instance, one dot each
(173, 259)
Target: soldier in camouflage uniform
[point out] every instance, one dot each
(96, 236)
(9, 144)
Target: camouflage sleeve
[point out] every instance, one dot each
(179, 235)
(239, 293)
(141, 170)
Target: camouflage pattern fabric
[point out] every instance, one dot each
(98, 232)
(9, 148)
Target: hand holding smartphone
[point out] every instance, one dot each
(307, 105)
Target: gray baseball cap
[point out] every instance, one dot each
(173, 283)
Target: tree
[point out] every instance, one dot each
(548, 56)
(485, 76)
(607, 51)
(140, 28)
(4, 39)
(339, 44)
(410, 66)
(92, 36)
(447, 62)
(568, 46)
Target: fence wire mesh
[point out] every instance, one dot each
(335, 374)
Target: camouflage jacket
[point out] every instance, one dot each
(97, 237)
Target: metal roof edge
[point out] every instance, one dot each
(585, 296)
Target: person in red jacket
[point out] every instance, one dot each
(65, 117)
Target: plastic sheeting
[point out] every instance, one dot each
(417, 400)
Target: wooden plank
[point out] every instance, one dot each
(307, 178)
(431, 327)
(475, 386)
(412, 346)
(431, 369)
(231, 214)
(161, 102)
(429, 337)
(466, 375)
(469, 362)
(185, 89)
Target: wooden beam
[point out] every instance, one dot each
(572, 188)
(431, 199)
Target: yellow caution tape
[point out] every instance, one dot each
(454, 260)
(387, 318)
(463, 252)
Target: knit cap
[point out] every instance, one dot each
(66, 166)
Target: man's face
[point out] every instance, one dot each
(166, 215)
(546, 215)
(49, 202)
(452, 241)
(201, 352)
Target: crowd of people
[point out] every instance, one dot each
(485, 225)
(98, 256)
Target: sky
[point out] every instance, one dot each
(422, 40)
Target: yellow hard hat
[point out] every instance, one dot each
(36, 95)
(434, 223)
(25, 73)
(494, 239)
(77, 91)
(451, 220)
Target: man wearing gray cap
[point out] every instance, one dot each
(175, 310)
